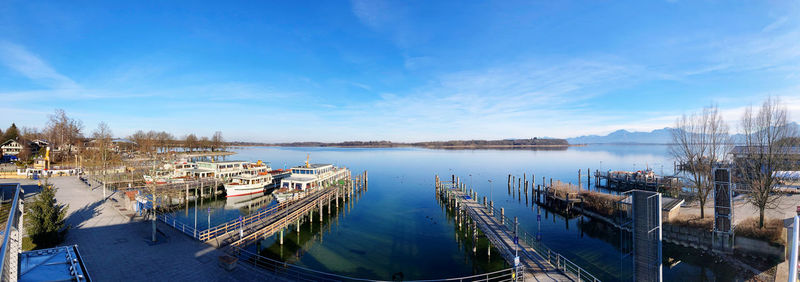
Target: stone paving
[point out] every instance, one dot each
(118, 248)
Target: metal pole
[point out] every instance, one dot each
(195, 210)
(491, 192)
(793, 259)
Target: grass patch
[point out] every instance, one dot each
(693, 221)
(27, 244)
(772, 231)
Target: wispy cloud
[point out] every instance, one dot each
(513, 100)
(773, 48)
(19, 59)
(371, 13)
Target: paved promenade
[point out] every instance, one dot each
(118, 248)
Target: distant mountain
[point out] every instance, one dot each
(658, 136)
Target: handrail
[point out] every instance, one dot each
(302, 273)
(561, 262)
(185, 228)
(4, 250)
(310, 202)
(231, 225)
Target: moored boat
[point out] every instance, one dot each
(247, 184)
(308, 177)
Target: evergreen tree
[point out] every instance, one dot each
(46, 219)
(11, 133)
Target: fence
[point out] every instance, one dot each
(556, 259)
(272, 268)
(12, 238)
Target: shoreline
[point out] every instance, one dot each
(461, 147)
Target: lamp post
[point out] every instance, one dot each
(470, 181)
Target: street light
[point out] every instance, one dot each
(470, 181)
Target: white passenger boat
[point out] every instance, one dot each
(247, 184)
(308, 177)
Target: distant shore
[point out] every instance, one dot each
(445, 147)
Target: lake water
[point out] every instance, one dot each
(398, 226)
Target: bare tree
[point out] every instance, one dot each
(63, 132)
(698, 141)
(30, 133)
(767, 134)
(190, 142)
(205, 143)
(145, 141)
(164, 140)
(217, 141)
(102, 138)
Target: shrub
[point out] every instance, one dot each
(604, 204)
(693, 221)
(772, 231)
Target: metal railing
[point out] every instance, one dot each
(272, 268)
(234, 224)
(286, 217)
(556, 259)
(180, 226)
(12, 238)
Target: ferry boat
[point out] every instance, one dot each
(175, 172)
(307, 178)
(247, 184)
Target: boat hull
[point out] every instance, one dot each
(243, 190)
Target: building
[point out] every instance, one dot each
(11, 147)
(745, 156)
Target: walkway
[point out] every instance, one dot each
(537, 268)
(118, 248)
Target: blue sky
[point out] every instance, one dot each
(393, 70)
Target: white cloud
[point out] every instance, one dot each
(523, 99)
(21, 60)
(371, 13)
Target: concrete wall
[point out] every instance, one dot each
(687, 237)
(700, 239)
(757, 248)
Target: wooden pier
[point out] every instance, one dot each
(562, 196)
(264, 223)
(528, 256)
(284, 215)
(624, 181)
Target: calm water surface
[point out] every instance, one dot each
(398, 227)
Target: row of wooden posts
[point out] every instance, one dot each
(354, 187)
(523, 182)
(461, 218)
